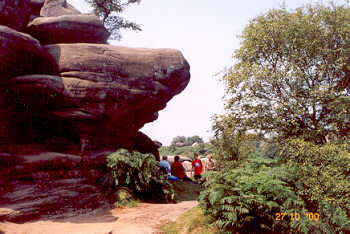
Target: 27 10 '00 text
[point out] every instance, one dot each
(296, 216)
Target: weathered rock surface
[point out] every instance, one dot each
(49, 183)
(104, 96)
(64, 107)
(22, 54)
(53, 8)
(122, 88)
(15, 13)
(27, 201)
(36, 6)
(68, 29)
(145, 69)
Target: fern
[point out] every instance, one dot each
(139, 172)
(307, 178)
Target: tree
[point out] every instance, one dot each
(109, 10)
(289, 74)
(179, 140)
(194, 139)
(186, 141)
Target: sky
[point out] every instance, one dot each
(207, 33)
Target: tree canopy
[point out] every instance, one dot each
(289, 76)
(186, 141)
(109, 11)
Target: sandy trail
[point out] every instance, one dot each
(141, 219)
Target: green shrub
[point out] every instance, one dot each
(246, 199)
(307, 178)
(140, 173)
(124, 197)
(320, 175)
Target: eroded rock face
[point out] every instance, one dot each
(68, 29)
(156, 70)
(104, 94)
(15, 13)
(52, 8)
(22, 54)
(36, 6)
(119, 86)
(65, 106)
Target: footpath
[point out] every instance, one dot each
(142, 219)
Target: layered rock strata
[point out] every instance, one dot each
(67, 100)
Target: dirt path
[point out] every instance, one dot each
(141, 219)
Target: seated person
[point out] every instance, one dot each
(164, 167)
(178, 170)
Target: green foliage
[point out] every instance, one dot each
(186, 141)
(247, 198)
(306, 178)
(321, 177)
(289, 74)
(140, 173)
(109, 10)
(187, 151)
(231, 144)
(185, 191)
(124, 198)
(192, 221)
(289, 83)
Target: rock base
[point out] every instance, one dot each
(37, 186)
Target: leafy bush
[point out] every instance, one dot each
(124, 197)
(248, 197)
(140, 173)
(320, 175)
(307, 178)
(231, 144)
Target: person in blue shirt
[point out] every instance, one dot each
(164, 166)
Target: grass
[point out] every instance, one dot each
(191, 222)
(185, 191)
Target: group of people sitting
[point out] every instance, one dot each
(177, 172)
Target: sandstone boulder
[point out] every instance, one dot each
(37, 84)
(122, 88)
(22, 54)
(36, 6)
(65, 107)
(25, 201)
(68, 29)
(103, 96)
(15, 13)
(53, 8)
(39, 185)
(144, 144)
(157, 70)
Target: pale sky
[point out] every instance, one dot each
(206, 32)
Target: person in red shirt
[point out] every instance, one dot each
(178, 170)
(198, 167)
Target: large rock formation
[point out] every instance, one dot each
(53, 8)
(15, 13)
(22, 54)
(65, 107)
(68, 29)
